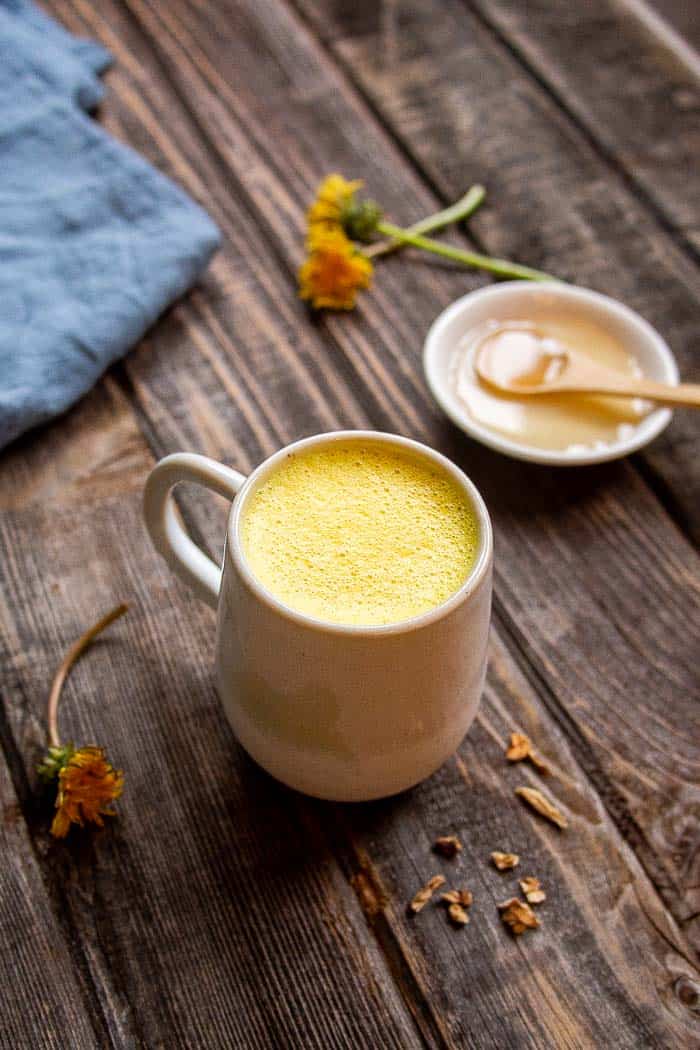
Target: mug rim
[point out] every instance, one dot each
(474, 579)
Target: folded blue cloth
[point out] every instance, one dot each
(94, 243)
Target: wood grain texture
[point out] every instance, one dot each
(487, 988)
(94, 451)
(463, 108)
(213, 912)
(628, 89)
(681, 15)
(43, 1001)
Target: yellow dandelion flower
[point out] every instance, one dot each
(86, 785)
(333, 272)
(332, 197)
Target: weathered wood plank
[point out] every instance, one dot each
(534, 512)
(462, 107)
(618, 67)
(626, 85)
(44, 1002)
(204, 915)
(488, 989)
(93, 452)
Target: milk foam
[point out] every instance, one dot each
(359, 533)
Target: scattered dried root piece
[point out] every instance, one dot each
(521, 747)
(464, 898)
(542, 805)
(457, 902)
(425, 893)
(447, 846)
(505, 861)
(457, 915)
(518, 915)
(532, 890)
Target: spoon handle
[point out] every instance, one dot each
(687, 394)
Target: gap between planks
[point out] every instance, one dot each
(614, 165)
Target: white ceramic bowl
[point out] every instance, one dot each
(518, 300)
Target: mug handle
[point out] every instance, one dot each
(167, 534)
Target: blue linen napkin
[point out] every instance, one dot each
(94, 242)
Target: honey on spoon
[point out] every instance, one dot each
(542, 365)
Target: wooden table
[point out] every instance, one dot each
(220, 909)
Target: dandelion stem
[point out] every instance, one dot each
(74, 654)
(501, 267)
(457, 212)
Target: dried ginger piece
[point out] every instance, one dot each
(457, 915)
(505, 861)
(521, 747)
(457, 902)
(532, 889)
(447, 846)
(425, 893)
(542, 805)
(518, 915)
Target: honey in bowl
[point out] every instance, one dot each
(556, 422)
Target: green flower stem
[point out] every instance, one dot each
(501, 267)
(457, 212)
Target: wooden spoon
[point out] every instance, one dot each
(555, 369)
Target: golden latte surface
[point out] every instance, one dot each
(360, 534)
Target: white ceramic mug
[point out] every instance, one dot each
(340, 712)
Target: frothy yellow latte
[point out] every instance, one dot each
(359, 533)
